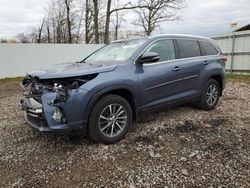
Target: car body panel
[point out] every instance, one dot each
(71, 70)
(158, 81)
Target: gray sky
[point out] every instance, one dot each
(210, 17)
(18, 15)
(202, 17)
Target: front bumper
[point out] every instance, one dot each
(35, 117)
(33, 114)
(38, 113)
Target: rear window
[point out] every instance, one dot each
(208, 49)
(188, 48)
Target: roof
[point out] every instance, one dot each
(244, 28)
(171, 36)
(179, 36)
(165, 36)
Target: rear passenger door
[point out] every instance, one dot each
(191, 62)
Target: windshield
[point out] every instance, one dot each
(117, 51)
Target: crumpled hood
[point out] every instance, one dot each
(65, 70)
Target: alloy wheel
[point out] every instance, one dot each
(212, 94)
(113, 120)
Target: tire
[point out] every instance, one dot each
(207, 102)
(104, 126)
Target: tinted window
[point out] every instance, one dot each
(188, 48)
(208, 49)
(165, 48)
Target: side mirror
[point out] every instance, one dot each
(149, 57)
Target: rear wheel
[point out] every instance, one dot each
(110, 119)
(210, 96)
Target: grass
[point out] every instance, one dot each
(241, 77)
(16, 80)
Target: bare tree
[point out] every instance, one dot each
(109, 12)
(57, 25)
(40, 30)
(48, 34)
(33, 34)
(68, 4)
(96, 20)
(23, 38)
(156, 11)
(117, 19)
(117, 24)
(79, 23)
(63, 22)
(3, 41)
(89, 16)
(52, 19)
(57, 21)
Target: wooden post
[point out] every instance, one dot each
(232, 52)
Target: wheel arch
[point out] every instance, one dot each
(219, 79)
(125, 91)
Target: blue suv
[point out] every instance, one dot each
(103, 94)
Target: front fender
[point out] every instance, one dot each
(72, 108)
(99, 93)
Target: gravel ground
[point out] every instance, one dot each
(179, 147)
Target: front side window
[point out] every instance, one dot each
(165, 49)
(117, 51)
(188, 48)
(207, 49)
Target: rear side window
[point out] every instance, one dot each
(165, 49)
(188, 48)
(208, 49)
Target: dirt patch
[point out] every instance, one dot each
(216, 122)
(186, 127)
(146, 140)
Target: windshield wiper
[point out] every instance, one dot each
(82, 61)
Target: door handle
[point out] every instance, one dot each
(176, 68)
(205, 62)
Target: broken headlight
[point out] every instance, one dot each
(58, 116)
(61, 96)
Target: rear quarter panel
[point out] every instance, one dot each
(216, 67)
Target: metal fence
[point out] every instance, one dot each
(17, 59)
(236, 46)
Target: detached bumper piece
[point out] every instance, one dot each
(33, 113)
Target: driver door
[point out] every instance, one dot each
(160, 81)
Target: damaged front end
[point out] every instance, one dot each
(51, 105)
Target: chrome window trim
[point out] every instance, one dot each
(169, 61)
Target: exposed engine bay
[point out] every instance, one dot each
(34, 87)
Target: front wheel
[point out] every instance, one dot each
(110, 119)
(210, 96)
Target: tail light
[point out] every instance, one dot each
(224, 59)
